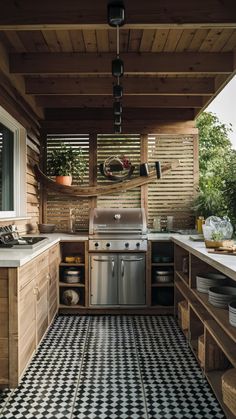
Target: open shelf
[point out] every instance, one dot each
(162, 264)
(160, 285)
(68, 264)
(65, 284)
(223, 341)
(73, 306)
(184, 277)
(214, 379)
(219, 314)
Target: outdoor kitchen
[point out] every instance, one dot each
(117, 211)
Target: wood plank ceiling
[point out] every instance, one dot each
(177, 56)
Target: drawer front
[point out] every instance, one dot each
(41, 262)
(26, 308)
(54, 253)
(27, 273)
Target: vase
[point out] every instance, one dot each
(64, 180)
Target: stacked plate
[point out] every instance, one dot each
(222, 296)
(208, 280)
(232, 313)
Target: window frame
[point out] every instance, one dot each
(19, 166)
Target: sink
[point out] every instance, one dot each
(29, 242)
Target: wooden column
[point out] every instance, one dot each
(43, 166)
(93, 165)
(144, 159)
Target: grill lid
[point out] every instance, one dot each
(117, 220)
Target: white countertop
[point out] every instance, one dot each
(224, 263)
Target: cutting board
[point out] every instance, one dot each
(222, 252)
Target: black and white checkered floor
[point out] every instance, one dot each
(112, 367)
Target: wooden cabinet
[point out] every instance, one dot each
(211, 337)
(162, 275)
(29, 302)
(73, 257)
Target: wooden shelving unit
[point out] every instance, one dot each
(205, 320)
(70, 248)
(162, 294)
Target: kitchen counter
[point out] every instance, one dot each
(11, 258)
(224, 263)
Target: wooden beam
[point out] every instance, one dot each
(15, 86)
(73, 101)
(128, 115)
(132, 86)
(71, 14)
(129, 127)
(135, 64)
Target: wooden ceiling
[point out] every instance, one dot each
(177, 56)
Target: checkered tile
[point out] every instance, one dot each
(112, 367)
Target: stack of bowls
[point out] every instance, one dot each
(221, 296)
(71, 275)
(208, 280)
(163, 277)
(232, 313)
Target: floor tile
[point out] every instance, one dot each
(112, 367)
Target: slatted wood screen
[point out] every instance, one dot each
(173, 195)
(112, 145)
(58, 205)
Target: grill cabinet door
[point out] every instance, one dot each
(103, 279)
(132, 279)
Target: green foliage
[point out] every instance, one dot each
(66, 161)
(217, 164)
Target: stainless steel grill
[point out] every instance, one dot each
(122, 229)
(117, 245)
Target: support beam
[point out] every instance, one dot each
(132, 86)
(129, 114)
(58, 14)
(135, 64)
(155, 101)
(130, 127)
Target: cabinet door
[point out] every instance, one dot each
(53, 290)
(132, 279)
(103, 279)
(27, 324)
(42, 303)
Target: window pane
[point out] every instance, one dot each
(6, 169)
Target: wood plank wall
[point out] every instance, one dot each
(173, 195)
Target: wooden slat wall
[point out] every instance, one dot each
(58, 206)
(173, 195)
(129, 145)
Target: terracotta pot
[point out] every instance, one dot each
(64, 180)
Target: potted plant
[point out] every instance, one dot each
(65, 162)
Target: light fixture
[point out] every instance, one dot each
(116, 18)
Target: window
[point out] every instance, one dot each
(12, 167)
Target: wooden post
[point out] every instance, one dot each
(144, 159)
(93, 165)
(43, 166)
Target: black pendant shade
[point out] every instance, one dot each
(117, 108)
(117, 129)
(117, 119)
(117, 91)
(117, 67)
(116, 18)
(116, 14)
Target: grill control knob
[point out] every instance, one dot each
(126, 245)
(108, 245)
(138, 244)
(96, 244)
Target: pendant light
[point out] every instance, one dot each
(116, 18)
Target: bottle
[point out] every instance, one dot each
(72, 221)
(200, 222)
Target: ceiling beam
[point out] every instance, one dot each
(135, 63)
(71, 14)
(129, 114)
(128, 127)
(132, 86)
(74, 101)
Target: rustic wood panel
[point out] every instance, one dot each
(173, 195)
